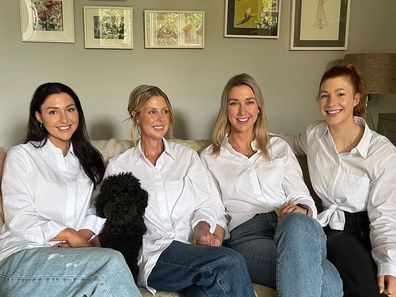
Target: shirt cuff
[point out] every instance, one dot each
(93, 223)
(386, 269)
(50, 230)
(206, 219)
(311, 204)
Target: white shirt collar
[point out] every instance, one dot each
(168, 149)
(363, 145)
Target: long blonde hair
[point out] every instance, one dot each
(138, 98)
(222, 126)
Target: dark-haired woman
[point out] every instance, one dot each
(353, 171)
(47, 187)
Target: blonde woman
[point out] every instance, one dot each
(180, 251)
(270, 209)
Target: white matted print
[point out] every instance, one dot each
(174, 29)
(108, 27)
(47, 20)
(319, 24)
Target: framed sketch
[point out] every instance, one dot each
(174, 29)
(108, 27)
(252, 18)
(47, 21)
(319, 24)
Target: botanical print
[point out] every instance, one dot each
(109, 24)
(174, 29)
(47, 15)
(260, 14)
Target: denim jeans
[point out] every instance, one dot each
(200, 271)
(74, 272)
(289, 255)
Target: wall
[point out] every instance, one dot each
(192, 78)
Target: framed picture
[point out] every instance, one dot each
(252, 18)
(108, 27)
(174, 29)
(319, 24)
(47, 21)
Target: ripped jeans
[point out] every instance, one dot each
(77, 272)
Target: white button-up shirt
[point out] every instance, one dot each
(179, 198)
(44, 193)
(253, 185)
(361, 180)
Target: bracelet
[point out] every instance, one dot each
(303, 206)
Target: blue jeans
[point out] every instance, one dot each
(289, 256)
(74, 272)
(201, 271)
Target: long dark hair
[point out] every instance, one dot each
(89, 157)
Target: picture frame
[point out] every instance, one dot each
(174, 29)
(47, 21)
(108, 27)
(252, 18)
(319, 25)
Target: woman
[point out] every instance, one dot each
(270, 209)
(180, 210)
(47, 187)
(353, 171)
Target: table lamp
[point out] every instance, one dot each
(378, 71)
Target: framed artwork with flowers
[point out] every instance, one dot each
(174, 29)
(108, 27)
(47, 20)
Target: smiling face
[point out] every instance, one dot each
(59, 116)
(337, 100)
(242, 109)
(154, 118)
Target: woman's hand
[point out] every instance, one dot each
(288, 207)
(387, 285)
(202, 235)
(71, 238)
(95, 241)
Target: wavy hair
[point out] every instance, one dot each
(88, 156)
(138, 98)
(222, 126)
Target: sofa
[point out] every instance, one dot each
(111, 147)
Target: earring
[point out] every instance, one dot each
(41, 126)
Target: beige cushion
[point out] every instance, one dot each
(260, 291)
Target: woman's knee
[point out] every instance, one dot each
(331, 280)
(299, 224)
(230, 259)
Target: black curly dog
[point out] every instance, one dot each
(123, 202)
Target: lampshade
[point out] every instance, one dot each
(378, 71)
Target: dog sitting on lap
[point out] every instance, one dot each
(123, 202)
